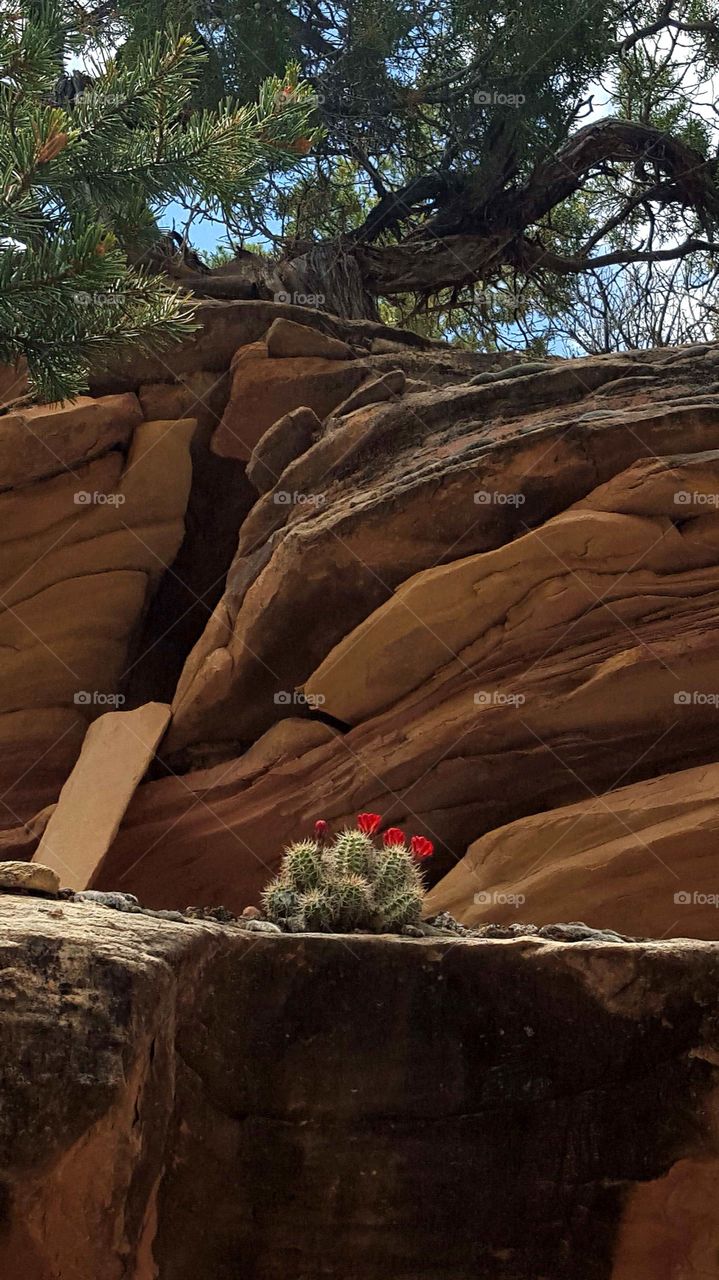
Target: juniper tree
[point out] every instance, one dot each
(479, 156)
(82, 186)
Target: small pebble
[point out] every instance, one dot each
(118, 901)
(260, 926)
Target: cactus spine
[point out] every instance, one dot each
(347, 883)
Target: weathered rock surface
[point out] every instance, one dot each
(430, 480)
(102, 594)
(285, 338)
(29, 877)
(485, 608)
(545, 657)
(192, 1101)
(44, 440)
(498, 593)
(116, 753)
(225, 326)
(20, 843)
(289, 437)
(86, 535)
(389, 386)
(265, 389)
(640, 858)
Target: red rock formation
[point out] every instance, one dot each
(640, 859)
(486, 607)
(501, 597)
(206, 1103)
(499, 592)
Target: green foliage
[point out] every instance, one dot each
(436, 117)
(81, 187)
(350, 883)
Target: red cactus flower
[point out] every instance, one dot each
(320, 828)
(369, 822)
(393, 835)
(421, 847)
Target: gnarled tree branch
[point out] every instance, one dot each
(477, 239)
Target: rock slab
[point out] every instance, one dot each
(207, 1103)
(115, 754)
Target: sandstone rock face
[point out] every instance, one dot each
(91, 520)
(265, 389)
(397, 488)
(641, 858)
(207, 1102)
(102, 595)
(502, 596)
(486, 608)
(497, 591)
(287, 439)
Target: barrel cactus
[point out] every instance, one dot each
(353, 881)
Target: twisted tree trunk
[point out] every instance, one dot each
(466, 241)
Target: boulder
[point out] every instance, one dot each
(46, 440)
(28, 877)
(286, 440)
(206, 1101)
(285, 339)
(387, 387)
(264, 390)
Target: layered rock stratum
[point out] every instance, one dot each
(302, 568)
(473, 593)
(189, 1100)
